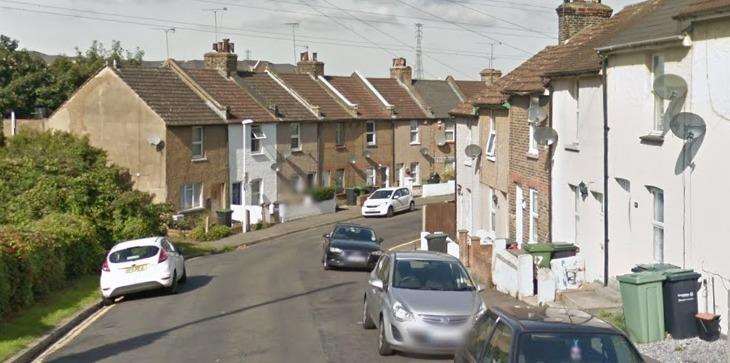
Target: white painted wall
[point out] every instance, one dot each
(467, 178)
(578, 158)
(290, 212)
(245, 167)
(432, 190)
(696, 226)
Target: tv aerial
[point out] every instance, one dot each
(545, 136)
(688, 126)
(670, 86)
(440, 139)
(275, 167)
(473, 151)
(352, 159)
(425, 151)
(536, 114)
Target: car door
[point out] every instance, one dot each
(174, 256)
(499, 349)
(407, 198)
(396, 200)
(478, 338)
(378, 296)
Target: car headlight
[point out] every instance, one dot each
(401, 313)
(335, 250)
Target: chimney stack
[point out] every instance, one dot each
(489, 75)
(401, 71)
(575, 15)
(222, 58)
(310, 66)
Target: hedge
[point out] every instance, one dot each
(322, 194)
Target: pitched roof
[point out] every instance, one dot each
(247, 65)
(396, 95)
(528, 76)
(490, 95)
(438, 95)
(703, 7)
(242, 105)
(269, 93)
(657, 24)
(168, 96)
(470, 88)
(368, 105)
(312, 91)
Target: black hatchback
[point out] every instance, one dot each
(351, 246)
(545, 335)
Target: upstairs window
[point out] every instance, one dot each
(491, 139)
(450, 131)
(532, 150)
(533, 215)
(295, 131)
(657, 69)
(197, 143)
(370, 133)
(415, 134)
(576, 96)
(340, 134)
(493, 210)
(257, 135)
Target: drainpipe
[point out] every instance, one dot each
(244, 182)
(605, 172)
(392, 170)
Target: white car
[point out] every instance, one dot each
(386, 201)
(139, 265)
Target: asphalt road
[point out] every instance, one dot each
(271, 302)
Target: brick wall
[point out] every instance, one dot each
(574, 15)
(300, 163)
(405, 153)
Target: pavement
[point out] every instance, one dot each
(270, 302)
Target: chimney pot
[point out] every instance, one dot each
(575, 15)
(489, 75)
(401, 71)
(222, 58)
(310, 66)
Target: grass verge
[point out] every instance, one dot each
(41, 317)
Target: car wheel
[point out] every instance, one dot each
(107, 301)
(384, 347)
(367, 322)
(173, 287)
(184, 276)
(390, 212)
(412, 207)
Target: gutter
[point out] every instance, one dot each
(605, 172)
(641, 43)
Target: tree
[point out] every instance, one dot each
(22, 77)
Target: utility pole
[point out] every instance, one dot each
(167, 41)
(294, 26)
(419, 51)
(248, 54)
(215, 12)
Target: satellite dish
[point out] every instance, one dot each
(424, 151)
(473, 151)
(688, 126)
(545, 136)
(275, 167)
(353, 159)
(536, 113)
(670, 86)
(367, 154)
(440, 139)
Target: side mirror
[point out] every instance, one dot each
(380, 240)
(378, 284)
(326, 235)
(480, 288)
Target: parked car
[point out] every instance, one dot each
(421, 302)
(387, 201)
(139, 265)
(532, 334)
(351, 246)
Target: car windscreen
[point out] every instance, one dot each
(431, 275)
(381, 194)
(575, 347)
(133, 254)
(353, 233)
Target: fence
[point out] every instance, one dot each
(440, 217)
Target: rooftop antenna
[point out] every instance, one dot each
(419, 51)
(491, 55)
(167, 40)
(215, 12)
(248, 54)
(294, 26)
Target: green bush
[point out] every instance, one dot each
(215, 232)
(322, 194)
(198, 233)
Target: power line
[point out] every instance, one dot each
(493, 16)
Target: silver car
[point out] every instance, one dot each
(421, 302)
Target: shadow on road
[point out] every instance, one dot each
(192, 283)
(112, 349)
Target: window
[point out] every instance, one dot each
(657, 69)
(498, 349)
(370, 133)
(255, 187)
(415, 137)
(236, 193)
(371, 177)
(256, 136)
(493, 210)
(478, 336)
(583, 347)
(311, 180)
(658, 223)
(576, 213)
(295, 131)
(533, 143)
(340, 134)
(491, 139)
(450, 131)
(533, 215)
(340, 179)
(191, 196)
(197, 143)
(576, 96)
(326, 179)
(416, 173)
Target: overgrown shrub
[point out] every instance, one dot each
(215, 232)
(322, 194)
(198, 232)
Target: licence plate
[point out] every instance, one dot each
(357, 258)
(136, 268)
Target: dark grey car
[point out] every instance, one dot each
(351, 246)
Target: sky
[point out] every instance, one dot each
(460, 37)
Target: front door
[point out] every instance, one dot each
(401, 175)
(519, 202)
(466, 209)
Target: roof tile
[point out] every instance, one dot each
(397, 95)
(312, 91)
(368, 105)
(269, 93)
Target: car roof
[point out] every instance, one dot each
(352, 225)
(423, 255)
(526, 318)
(150, 241)
(390, 189)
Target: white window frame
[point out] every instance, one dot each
(534, 215)
(340, 134)
(576, 213)
(326, 178)
(532, 146)
(342, 179)
(492, 211)
(371, 177)
(195, 142)
(576, 96)
(658, 68)
(657, 223)
(450, 131)
(255, 192)
(370, 134)
(295, 136)
(195, 191)
(414, 132)
(256, 139)
(491, 149)
(416, 173)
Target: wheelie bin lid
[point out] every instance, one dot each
(656, 267)
(680, 274)
(548, 247)
(640, 278)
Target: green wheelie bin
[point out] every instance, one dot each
(545, 252)
(641, 293)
